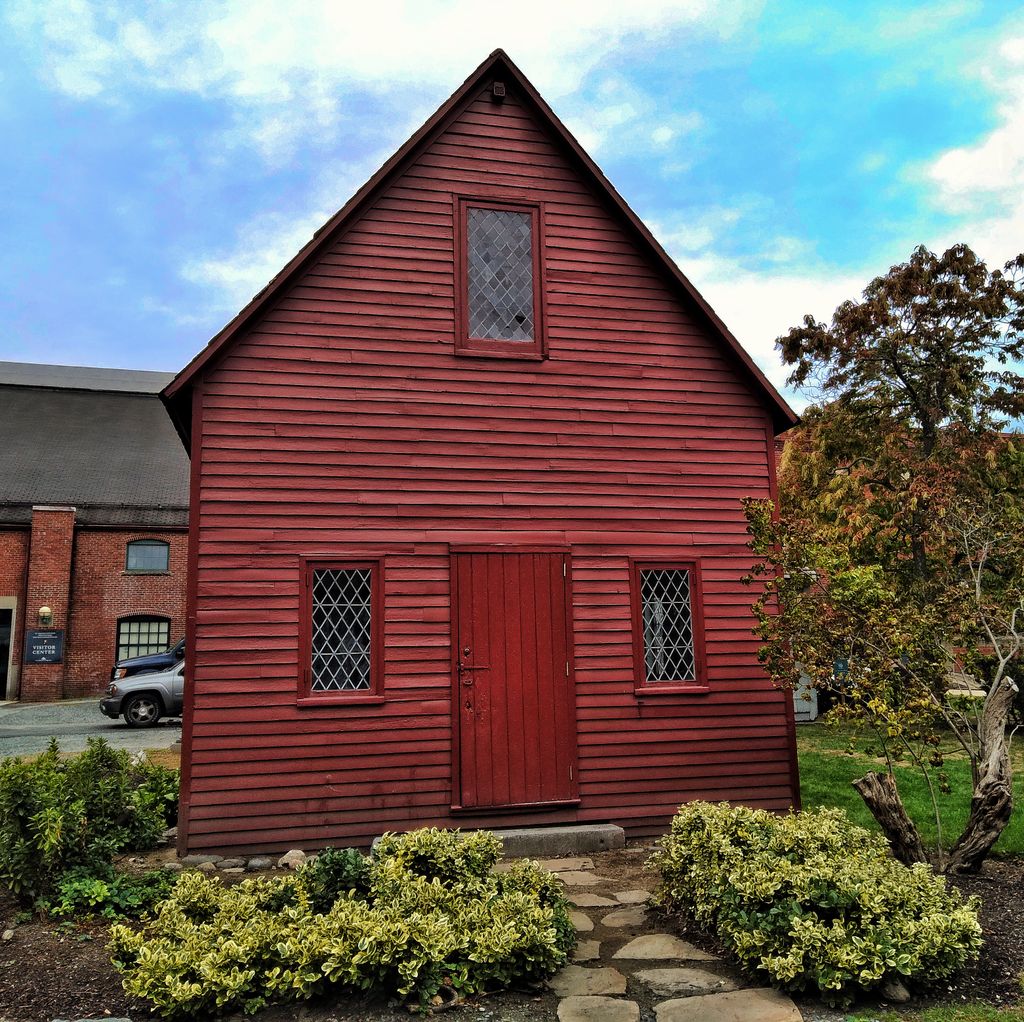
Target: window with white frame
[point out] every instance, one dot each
(141, 635)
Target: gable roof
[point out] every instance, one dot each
(177, 395)
(96, 439)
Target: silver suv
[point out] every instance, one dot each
(144, 698)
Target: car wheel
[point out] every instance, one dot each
(142, 710)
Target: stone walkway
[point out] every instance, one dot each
(626, 965)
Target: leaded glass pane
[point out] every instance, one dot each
(500, 275)
(341, 629)
(668, 625)
(142, 636)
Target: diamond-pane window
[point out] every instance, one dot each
(500, 274)
(666, 601)
(340, 648)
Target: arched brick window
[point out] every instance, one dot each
(142, 634)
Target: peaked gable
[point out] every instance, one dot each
(497, 67)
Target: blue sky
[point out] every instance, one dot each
(162, 161)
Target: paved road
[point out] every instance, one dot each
(26, 728)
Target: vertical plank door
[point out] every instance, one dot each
(513, 687)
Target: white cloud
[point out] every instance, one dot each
(762, 295)
(288, 67)
(751, 215)
(871, 162)
(983, 183)
(759, 306)
(263, 245)
(288, 71)
(696, 234)
(618, 117)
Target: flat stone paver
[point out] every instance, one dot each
(587, 951)
(637, 897)
(575, 980)
(581, 899)
(684, 982)
(566, 864)
(662, 947)
(597, 1009)
(579, 878)
(632, 916)
(761, 1005)
(659, 967)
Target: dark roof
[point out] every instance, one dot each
(129, 381)
(177, 395)
(91, 440)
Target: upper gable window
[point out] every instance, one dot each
(499, 275)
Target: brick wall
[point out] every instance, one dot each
(13, 565)
(80, 574)
(49, 585)
(103, 592)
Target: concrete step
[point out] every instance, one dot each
(549, 842)
(552, 842)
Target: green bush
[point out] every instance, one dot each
(812, 900)
(405, 922)
(58, 814)
(108, 892)
(445, 855)
(335, 871)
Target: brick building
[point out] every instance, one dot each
(93, 526)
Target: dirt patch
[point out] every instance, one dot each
(50, 971)
(997, 975)
(170, 758)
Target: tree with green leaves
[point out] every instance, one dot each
(898, 546)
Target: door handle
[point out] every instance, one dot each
(464, 669)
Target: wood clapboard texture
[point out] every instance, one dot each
(342, 422)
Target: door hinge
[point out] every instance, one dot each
(567, 668)
(570, 772)
(563, 569)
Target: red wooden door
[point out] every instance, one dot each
(516, 736)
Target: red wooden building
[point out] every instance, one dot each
(466, 529)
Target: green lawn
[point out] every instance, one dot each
(952, 1013)
(826, 770)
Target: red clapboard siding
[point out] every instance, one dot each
(340, 423)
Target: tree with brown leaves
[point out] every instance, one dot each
(899, 544)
